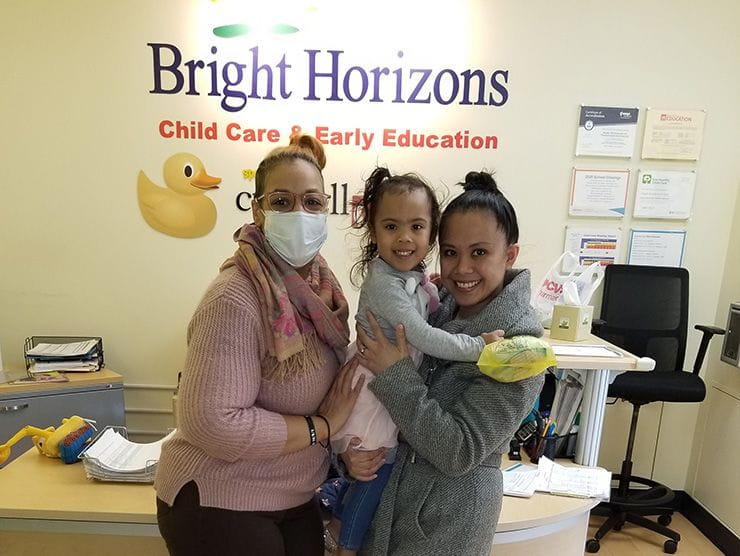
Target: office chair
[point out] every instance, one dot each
(645, 311)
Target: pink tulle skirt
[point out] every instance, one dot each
(369, 421)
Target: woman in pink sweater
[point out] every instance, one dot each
(262, 386)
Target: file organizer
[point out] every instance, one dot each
(33, 341)
(109, 468)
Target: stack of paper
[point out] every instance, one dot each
(72, 349)
(548, 476)
(112, 457)
(73, 365)
(69, 357)
(520, 480)
(584, 482)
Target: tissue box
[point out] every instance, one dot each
(571, 322)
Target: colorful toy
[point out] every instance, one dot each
(65, 443)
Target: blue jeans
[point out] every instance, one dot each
(358, 501)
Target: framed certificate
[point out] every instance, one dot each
(673, 134)
(657, 247)
(598, 192)
(606, 131)
(664, 194)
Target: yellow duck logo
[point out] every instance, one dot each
(180, 209)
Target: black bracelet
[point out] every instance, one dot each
(328, 432)
(311, 430)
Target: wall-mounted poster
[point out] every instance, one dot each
(606, 131)
(673, 134)
(598, 192)
(664, 194)
(591, 245)
(657, 247)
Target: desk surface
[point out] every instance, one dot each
(628, 361)
(37, 487)
(540, 509)
(76, 380)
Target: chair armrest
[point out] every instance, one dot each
(707, 333)
(712, 329)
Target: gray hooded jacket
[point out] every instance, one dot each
(444, 495)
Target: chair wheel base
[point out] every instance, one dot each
(665, 519)
(670, 546)
(593, 546)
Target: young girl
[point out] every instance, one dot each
(400, 215)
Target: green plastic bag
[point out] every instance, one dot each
(516, 358)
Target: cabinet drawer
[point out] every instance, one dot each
(102, 405)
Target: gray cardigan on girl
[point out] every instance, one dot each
(444, 495)
(395, 297)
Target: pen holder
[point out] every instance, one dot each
(555, 446)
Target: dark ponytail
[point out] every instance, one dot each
(482, 193)
(365, 207)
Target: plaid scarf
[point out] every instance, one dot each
(299, 312)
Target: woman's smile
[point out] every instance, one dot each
(466, 286)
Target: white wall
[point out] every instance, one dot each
(78, 124)
(715, 448)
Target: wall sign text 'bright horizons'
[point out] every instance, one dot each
(330, 77)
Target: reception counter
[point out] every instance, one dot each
(46, 505)
(543, 524)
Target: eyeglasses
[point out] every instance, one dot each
(284, 201)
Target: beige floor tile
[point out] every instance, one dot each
(634, 540)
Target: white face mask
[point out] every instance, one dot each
(296, 236)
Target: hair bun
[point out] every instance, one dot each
(311, 145)
(480, 181)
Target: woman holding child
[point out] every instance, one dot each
(444, 494)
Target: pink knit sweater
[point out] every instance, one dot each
(230, 429)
